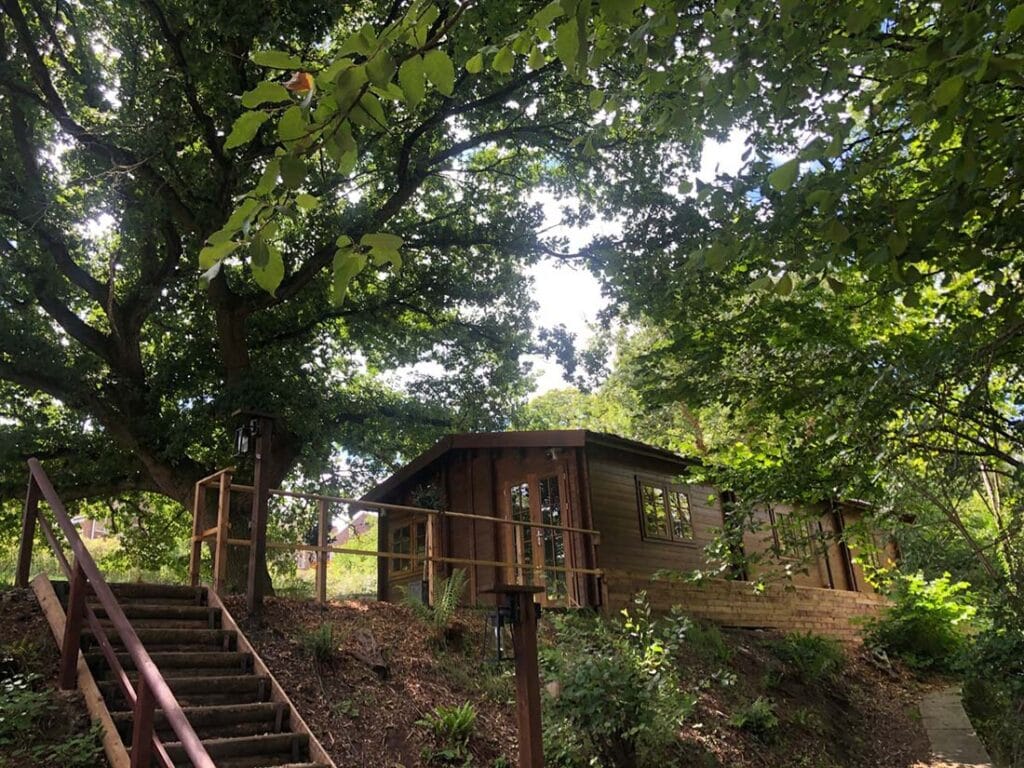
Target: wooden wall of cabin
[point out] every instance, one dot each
(616, 511)
(837, 543)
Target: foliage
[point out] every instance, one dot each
(441, 615)
(705, 640)
(814, 658)
(450, 728)
(619, 702)
(758, 717)
(319, 643)
(355, 574)
(993, 691)
(926, 624)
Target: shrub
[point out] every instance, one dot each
(758, 717)
(925, 626)
(319, 643)
(620, 702)
(813, 657)
(450, 729)
(446, 602)
(706, 641)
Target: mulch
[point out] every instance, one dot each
(361, 719)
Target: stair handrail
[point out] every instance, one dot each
(153, 691)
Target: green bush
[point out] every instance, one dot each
(450, 729)
(619, 702)
(993, 690)
(927, 622)
(814, 658)
(446, 602)
(705, 640)
(758, 717)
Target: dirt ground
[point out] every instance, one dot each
(867, 718)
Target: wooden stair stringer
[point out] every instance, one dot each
(113, 746)
(316, 751)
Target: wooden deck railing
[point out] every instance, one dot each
(151, 691)
(222, 481)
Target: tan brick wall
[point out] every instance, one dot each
(736, 604)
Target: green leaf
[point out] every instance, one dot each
(835, 284)
(293, 171)
(547, 14)
(362, 42)
(948, 90)
(211, 254)
(785, 285)
(347, 265)
(413, 80)
(439, 70)
(276, 60)
(567, 43)
(369, 113)
(761, 284)
(245, 128)
(783, 177)
(897, 243)
(475, 65)
(1015, 19)
(292, 125)
(269, 276)
(265, 92)
(268, 180)
(380, 69)
(503, 60)
(307, 202)
(381, 240)
(618, 11)
(259, 253)
(536, 60)
(837, 232)
(343, 241)
(596, 99)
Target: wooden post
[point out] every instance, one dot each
(524, 646)
(28, 532)
(73, 629)
(142, 730)
(196, 558)
(433, 551)
(220, 551)
(258, 532)
(321, 554)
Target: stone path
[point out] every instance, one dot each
(954, 743)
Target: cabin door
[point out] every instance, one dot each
(540, 501)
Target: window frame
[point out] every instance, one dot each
(416, 548)
(784, 546)
(666, 487)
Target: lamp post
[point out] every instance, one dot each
(518, 612)
(254, 438)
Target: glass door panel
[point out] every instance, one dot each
(553, 541)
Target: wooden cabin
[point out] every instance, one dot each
(576, 511)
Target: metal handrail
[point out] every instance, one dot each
(152, 691)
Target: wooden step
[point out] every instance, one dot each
(198, 691)
(158, 610)
(170, 638)
(225, 721)
(158, 593)
(175, 663)
(249, 751)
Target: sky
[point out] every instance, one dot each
(571, 296)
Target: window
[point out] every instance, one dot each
(791, 536)
(402, 544)
(664, 512)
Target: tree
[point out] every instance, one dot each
(122, 371)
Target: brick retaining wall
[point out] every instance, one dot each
(735, 604)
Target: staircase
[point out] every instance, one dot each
(224, 691)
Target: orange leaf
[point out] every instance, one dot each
(300, 82)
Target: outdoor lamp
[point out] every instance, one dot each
(244, 442)
(498, 628)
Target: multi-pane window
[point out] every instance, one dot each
(791, 536)
(554, 541)
(403, 543)
(664, 511)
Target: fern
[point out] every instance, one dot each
(448, 599)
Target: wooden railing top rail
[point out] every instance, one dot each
(362, 504)
(149, 676)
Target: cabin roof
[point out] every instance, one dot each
(548, 438)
